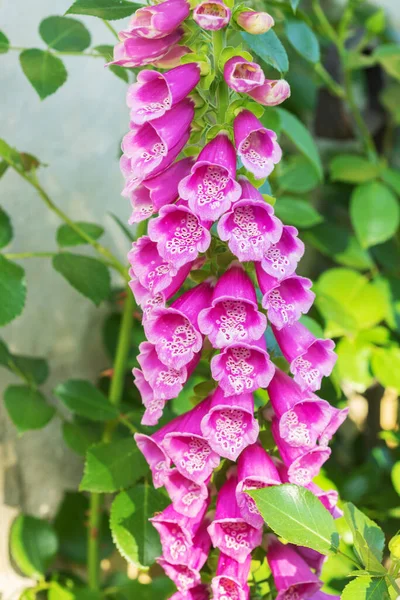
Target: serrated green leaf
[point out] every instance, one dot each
(353, 169)
(83, 399)
(374, 213)
(366, 588)
(27, 408)
(367, 557)
(87, 275)
(133, 534)
(4, 43)
(66, 236)
(111, 467)
(80, 436)
(269, 48)
(295, 514)
(12, 290)
(303, 40)
(6, 231)
(44, 71)
(33, 545)
(294, 129)
(104, 9)
(64, 34)
(369, 532)
(294, 211)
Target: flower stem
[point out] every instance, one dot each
(93, 562)
(60, 52)
(111, 28)
(222, 99)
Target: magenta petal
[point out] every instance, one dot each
(328, 498)
(188, 497)
(154, 406)
(272, 92)
(229, 426)
(172, 58)
(256, 145)
(212, 15)
(241, 75)
(163, 188)
(134, 51)
(166, 381)
(337, 417)
(152, 271)
(184, 577)
(281, 259)
(200, 592)
(230, 582)
(157, 21)
(322, 596)
(314, 559)
(158, 461)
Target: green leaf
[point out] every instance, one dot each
(395, 475)
(45, 71)
(297, 175)
(133, 534)
(294, 211)
(389, 98)
(59, 592)
(160, 588)
(299, 135)
(83, 399)
(372, 565)
(353, 169)
(120, 72)
(12, 290)
(269, 48)
(366, 588)
(303, 40)
(388, 55)
(87, 275)
(80, 436)
(392, 178)
(6, 231)
(4, 43)
(386, 367)
(27, 408)
(64, 34)
(104, 9)
(66, 236)
(374, 213)
(294, 4)
(376, 23)
(353, 363)
(112, 467)
(369, 531)
(33, 545)
(338, 243)
(295, 514)
(35, 370)
(3, 167)
(128, 233)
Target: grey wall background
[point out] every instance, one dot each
(77, 132)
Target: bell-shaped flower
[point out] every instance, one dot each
(159, 20)
(230, 426)
(250, 227)
(230, 581)
(212, 187)
(172, 58)
(174, 330)
(179, 233)
(156, 93)
(229, 532)
(292, 576)
(255, 22)
(329, 499)
(285, 300)
(255, 470)
(134, 51)
(243, 367)
(242, 75)
(200, 592)
(148, 145)
(177, 534)
(153, 272)
(233, 316)
(188, 497)
(337, 417)
(315, 560)
(310, 358)
(281, 258)
(272, 92)
(256, 145)
(188, 449)
(212, 15)
(322, 596)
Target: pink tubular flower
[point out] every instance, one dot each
(188, 497)
(242, 75)
(281, 258)
(177, 534)
(211, 188)
(243, 368)
(328, 498)
(172, 58)
(271, 93)
(179, 233)
(229, 532)
(322, 596)
(285, 300)
(233, 316)
(310, 358)
(155, 93)
(255, 470)
(153, 272)
(148, 145)
(200, 592)
(189, 450)
(250, 227)
(255, 22)
(135, 51)
(315, 560)
(174, 330)
(293, 577)
(230, 582)
(229, 426)
(154, 22)
(256, 145)
(212, 15)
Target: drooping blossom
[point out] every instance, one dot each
(188, 497)
(255, 22)
(229, 532)
(292, 576)
(233, 316)
(229, 425)
(172, 58)
(159, 20)
(282, 257)
(200, 592)
(256, 145)
(211, 188)
(230, 581)
(255, 470)
(134, 51)
(156, 93)
(272, 92)
(243, 367)
(242, 75)
(310, 358)
(174, 330)
(212, 15)
(285, 300)
(250, 226)
(315, 560)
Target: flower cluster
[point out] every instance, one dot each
(194, 203)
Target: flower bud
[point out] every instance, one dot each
(212, 15)
(255, 22)
(394, 547)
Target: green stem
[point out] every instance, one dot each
(93, 562)
(353, 560)
(21, 255)
(222, 99)
(325, 26)
(60, 52)
(124, 341)
(394, 584)
(334, 87)
(111, 28)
